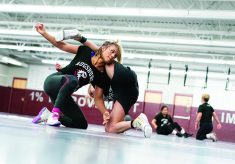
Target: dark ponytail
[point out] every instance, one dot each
(164, 106)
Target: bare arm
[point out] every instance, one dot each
(99, 102)
(217, 120)
(154, 124)
(199, 116)
(91, 91)
(40, 28)
(89, 44)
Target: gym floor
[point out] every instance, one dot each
(22, 142)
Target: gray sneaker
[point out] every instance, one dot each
(141, 122)
(67, 34)
(213, 137)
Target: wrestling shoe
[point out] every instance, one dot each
(141, 122)
(68, 34)
(179, 134)
(186, 135)
(42, 116)
(53, 119)
(212, 136)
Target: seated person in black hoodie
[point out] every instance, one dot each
(164, 124)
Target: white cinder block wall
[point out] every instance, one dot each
(8, 73)
(3, 75)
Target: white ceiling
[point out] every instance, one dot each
(196, 37)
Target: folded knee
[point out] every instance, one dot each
(110, 129)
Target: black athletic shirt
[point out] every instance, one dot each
(207, 111)
(107, 88)
(108, 93)
(81, 67)
(123, 86)
(161, 120)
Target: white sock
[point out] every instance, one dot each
(174, 132)
(182, 131)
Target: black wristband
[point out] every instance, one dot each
(83, 39)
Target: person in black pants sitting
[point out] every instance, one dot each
(164, 124)
(204, 118)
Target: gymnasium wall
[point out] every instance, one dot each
(220, 98)
(9, 72)
(3, 75)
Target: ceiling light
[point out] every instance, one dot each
(160, 40)
(31, 48)
(9, 60)
(117, 11)
(53, 62)
(180, 59)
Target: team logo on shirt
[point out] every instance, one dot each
(84, 70)
(164, 121)
(82, 74)
(109, 97)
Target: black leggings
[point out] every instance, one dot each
(204, 129)
(168, 128)
(59, 88)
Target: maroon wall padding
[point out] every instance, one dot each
(89, 110)
(93, 115)
(34, 101)
(29, 102)
(136, 109)
(192, 121)
(4, 98)
(17, 101)
(227, 132)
